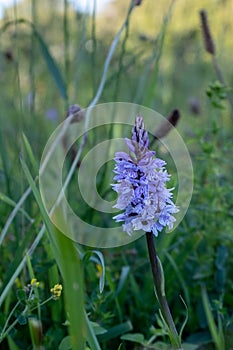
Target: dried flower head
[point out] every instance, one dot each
(166, 126)
(137, 2)
(141, 179)
(77, 112)
(209, 43)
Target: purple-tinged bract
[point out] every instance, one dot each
(141, 186)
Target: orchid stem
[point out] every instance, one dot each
(158, 278)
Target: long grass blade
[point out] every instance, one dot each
(210, 319)
(70, 265)
(12, 203)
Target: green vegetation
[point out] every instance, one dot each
(51, 58)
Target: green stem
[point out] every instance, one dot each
(2, 335)
(160, 293)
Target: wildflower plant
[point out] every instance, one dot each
(29, 297)
(147, 205)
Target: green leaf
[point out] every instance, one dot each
(69, 263)
(185, 320)
(97, 257)
(22, 320)
(91, 337)
(116, 331)
(216, 334)
(157, 333)
(120, 346)
(136, 338)
(187, 346)
(21, 295)
(102, 276)
(65, 344)
(199, 338)
(11, 344)
(97, 328)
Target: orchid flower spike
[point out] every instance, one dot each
(141, 186)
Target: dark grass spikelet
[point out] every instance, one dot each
(174, 117)
(9, 56)
(165, 127)
(77, 112)
(137, 2)
(208, 40)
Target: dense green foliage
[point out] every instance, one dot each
(52, 57)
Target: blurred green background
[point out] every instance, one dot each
(52, 56)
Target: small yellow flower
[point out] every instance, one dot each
(99, 270)
(34, 283)
(56, 291)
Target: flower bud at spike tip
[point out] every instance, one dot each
(140, 183)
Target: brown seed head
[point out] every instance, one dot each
(167, 124)
(77, 112)
(137, 2)
(209, 44)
